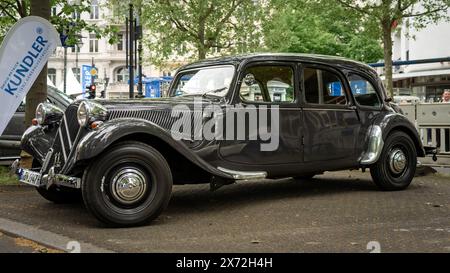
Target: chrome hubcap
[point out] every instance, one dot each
(128, 186)
(397, 161)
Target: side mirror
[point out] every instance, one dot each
(389, 99)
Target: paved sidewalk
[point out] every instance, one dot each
(10, 244)
(335, 212)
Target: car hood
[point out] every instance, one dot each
(157, 103)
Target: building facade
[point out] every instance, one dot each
(425, 81)
(109, 59)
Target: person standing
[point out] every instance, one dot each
(446, 96)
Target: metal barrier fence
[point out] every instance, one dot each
(432, 120)
(436, 136)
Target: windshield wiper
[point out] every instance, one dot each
(218, 90)
(204, 94)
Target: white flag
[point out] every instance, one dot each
(23, 53)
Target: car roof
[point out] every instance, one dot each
(315, 58)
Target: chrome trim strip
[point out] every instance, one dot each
(13, 169)
(329, 109)
(63, 148)
(67, 132)
(67, 181)
(47, 160)
(375, 147)
(241, 175)
(61, 180)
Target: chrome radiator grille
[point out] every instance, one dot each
(65, 138)
(161, 117)
(67, 131)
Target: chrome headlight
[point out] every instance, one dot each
(47, 113)
(83, 114)
(89, 112)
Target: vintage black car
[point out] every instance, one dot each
(270, 115)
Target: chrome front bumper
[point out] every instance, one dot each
(38, 179)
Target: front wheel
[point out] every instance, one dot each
(396, 166)
(129, 185)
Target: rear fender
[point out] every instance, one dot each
(381, 129)
(398, 122)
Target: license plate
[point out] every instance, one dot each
(30, 177)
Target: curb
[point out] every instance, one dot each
(48, 238)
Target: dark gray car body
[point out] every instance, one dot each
(313, 139)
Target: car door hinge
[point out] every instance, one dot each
(303, 141)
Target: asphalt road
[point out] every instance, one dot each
(335, 212)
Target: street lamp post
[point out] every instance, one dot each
(130, 51)
(77, 51)
(139, 62)
(65, 70)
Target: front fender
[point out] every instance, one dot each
(37, 141)
(96, 141)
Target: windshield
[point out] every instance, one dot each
(204, 81)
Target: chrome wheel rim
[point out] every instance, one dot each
(128, 186)
(397, 161)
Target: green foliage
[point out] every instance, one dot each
(64, 21)
(424, 12)
(6, 178)
(387, 13)
(195, 28)
(321, 27)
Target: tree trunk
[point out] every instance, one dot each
(387, 44)
(201, 52)
(38, 91)
(201, 45)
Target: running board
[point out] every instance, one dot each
(242, 175)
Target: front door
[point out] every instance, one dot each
(270, 91)
(331, 122)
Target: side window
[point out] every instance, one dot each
(274, 83)
(363, 91)
(323, 87)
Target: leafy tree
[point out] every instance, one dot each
(200, 26)
(389, 13)
(65, 21)
(320, 27)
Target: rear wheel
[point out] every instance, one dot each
(396, 166)
(129, 185)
